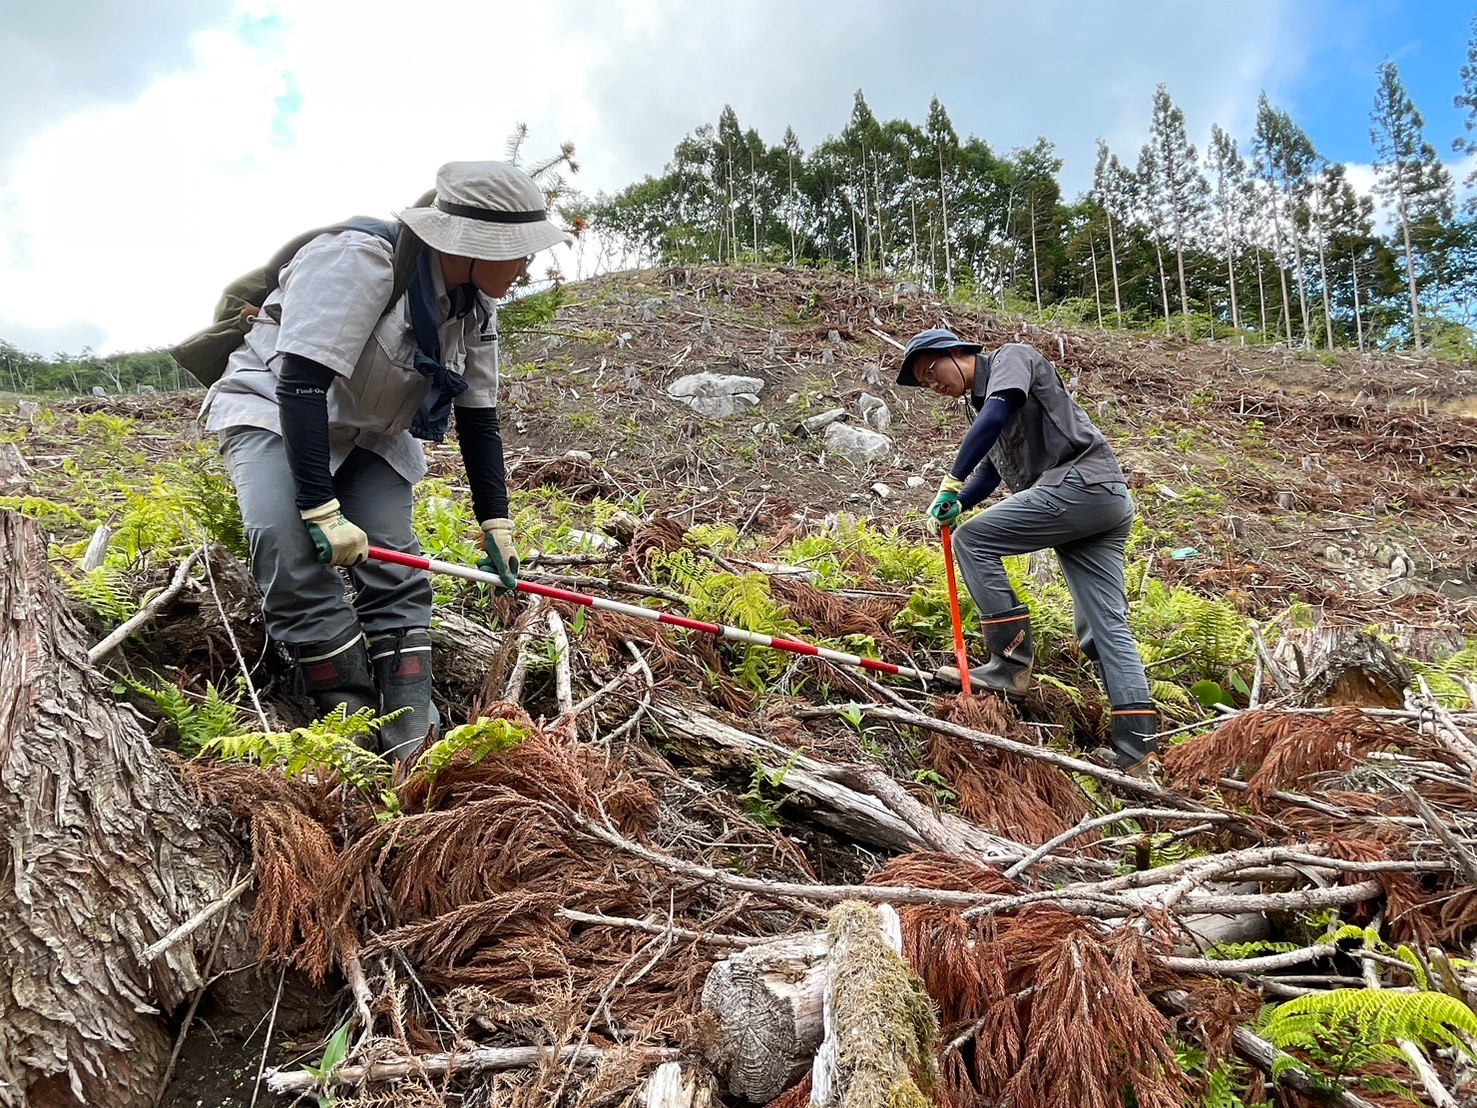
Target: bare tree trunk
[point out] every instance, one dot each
(1323, 276)
(1231, 274)
(1358, 311)
(1281, 269)
(944, 217)
(1163, 281)
(1035, 264)
(103, 853)
(1261, 292)
(1113, 260)
(1415, 302)
(1097, 288)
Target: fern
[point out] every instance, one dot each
(216, 716)
(1351, 1029)
(478, 740)
(1452, 679)
(329, 745)
(41, 509)
(105, 590)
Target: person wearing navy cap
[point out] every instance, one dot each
(1067, 493)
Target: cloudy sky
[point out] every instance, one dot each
(151, 150)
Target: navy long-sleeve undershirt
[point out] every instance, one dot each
(982, 435)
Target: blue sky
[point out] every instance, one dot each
(1332, 94)
(199, 135)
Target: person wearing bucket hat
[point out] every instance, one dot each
(1067, 493)
(372, 335)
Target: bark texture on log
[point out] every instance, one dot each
(1339, 666)
(811, 786)
(103, 853)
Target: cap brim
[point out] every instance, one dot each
(470, 238)
(905, 372)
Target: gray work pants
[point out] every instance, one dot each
(304, 600)
(1088, 527)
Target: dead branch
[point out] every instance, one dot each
(145, 615)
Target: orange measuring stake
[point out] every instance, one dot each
(959, 656)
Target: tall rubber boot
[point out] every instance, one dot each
(1135, 735)
(1012, 652)
(334, 673)
(402, 670)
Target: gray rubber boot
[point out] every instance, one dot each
(1135, 735)
(1012, 652)
(402, 670)
(334, 673)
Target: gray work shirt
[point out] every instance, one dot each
(1049, 435)
(332, 301)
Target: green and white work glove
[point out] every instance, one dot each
(501, 555)
(945, 508)
(339, 541)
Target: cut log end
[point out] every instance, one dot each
(770, 1023)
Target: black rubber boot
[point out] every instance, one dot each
(1135, 735)
(1012, 652)
(334, 673)
(402, 670)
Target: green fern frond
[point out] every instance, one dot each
(1168, 693)
(106, 590)
(214, 717)
(1351, 1028)
(41, 509)
(331, 744)
(480, 739)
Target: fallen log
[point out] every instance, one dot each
(106, 853)
(813, 787)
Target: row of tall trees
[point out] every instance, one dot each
(1264, 237)
(23, 372)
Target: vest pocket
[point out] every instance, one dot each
(386, 387)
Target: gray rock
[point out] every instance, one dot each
(915, 482)
(856, 444)
(99, 392)
(818, 423)
(875, 413)
(716, 395)
(881, 491)
(713, 384)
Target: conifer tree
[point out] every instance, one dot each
(1151, 208)
(1268, 144)
(1112, 190)
(944, 143)
(1410, 176)
(1228, 169)
(1467, 98)
(1180, 188)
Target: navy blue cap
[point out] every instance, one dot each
(935, 338)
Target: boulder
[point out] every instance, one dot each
(857, 444)
(818, 423)
(874, 411)
(716, 395)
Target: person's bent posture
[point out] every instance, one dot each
(373, 334)
(1068, 493)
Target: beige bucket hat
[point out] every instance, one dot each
(491, 211)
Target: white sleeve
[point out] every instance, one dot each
(333, 293)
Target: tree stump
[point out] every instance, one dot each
(103, 853)
(767, 999)
(1337, 666)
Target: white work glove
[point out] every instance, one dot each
(501, 555)
(339, 542)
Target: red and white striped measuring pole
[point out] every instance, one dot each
(601, 604)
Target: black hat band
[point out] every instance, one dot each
(486, 215)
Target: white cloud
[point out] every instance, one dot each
(119, 224)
